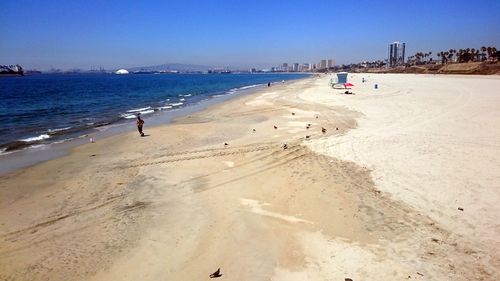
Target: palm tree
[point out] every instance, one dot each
(443, 57)
(494, 54)
(463, 55)
(452, 52)
(466, 55)
(450, 55)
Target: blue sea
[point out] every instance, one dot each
(47, 108)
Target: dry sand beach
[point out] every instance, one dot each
(407, 187)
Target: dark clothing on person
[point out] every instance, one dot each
(140, 123)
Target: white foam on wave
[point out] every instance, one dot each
(128, 116)
(165, 107)
(58, 130)
(182, 99)
(176, 104)
(37, 138)
(139, 109)
(147, 111)
(133, 115)
(248, 87)
(231, 91)
(61, 141)
(38, 146)
(234, 90)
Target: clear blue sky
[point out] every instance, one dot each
(112, 34)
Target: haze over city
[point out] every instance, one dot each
(114, 34)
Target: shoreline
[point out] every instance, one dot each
(37, 153)
(373, 197)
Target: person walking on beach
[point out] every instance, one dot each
(269, 84)
(140, 123)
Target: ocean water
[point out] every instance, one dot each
(47, 108)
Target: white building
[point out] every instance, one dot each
(121, 71)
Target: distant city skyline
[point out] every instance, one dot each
(261, 34)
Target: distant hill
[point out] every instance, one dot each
(172, 66)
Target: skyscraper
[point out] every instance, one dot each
(330, 63)
(322, 64)
(284, 67)
(395, 54)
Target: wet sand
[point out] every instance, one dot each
(376, 199)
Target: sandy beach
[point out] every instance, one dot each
(404, 184)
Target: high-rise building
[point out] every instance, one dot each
(395, 54)
(325, 64)
(284, 67)
(295, 66)
(322, 64)
(330, 63)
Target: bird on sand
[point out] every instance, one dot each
(226, 144)
(323, 130)
(216, 274)
(275, 127)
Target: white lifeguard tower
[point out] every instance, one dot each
(340, 80)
